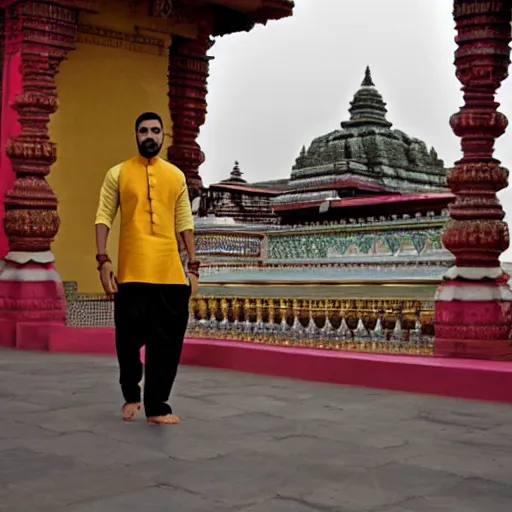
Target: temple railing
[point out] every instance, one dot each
(370, 325)
(374, 325)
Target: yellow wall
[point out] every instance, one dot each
(101, 91)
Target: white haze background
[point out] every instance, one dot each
(277, 87)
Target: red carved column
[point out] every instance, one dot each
(474, 302)
(5, 174)
(40, 35)
(188, 74)
(2, 55)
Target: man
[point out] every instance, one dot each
(151, 291)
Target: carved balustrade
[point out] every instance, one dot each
(371, 325)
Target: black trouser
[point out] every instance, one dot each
(154, 315)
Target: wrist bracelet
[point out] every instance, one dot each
(193, 266)
(102, 259)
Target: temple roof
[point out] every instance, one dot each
(236, 175)
(235, 182)
(352, 202)
(368, 148)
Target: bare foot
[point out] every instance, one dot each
(130, 410)
(168, 419)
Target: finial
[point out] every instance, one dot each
(368, 82)
(236, 172)
(303, 151)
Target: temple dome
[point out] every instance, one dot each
(369, 150)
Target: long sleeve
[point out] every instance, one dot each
(184, 218)
(109, 198)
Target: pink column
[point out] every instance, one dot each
(39, 36)
(9, 127)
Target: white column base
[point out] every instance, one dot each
(473, 293)
(28, 274)
(22, 258)
(473, 273)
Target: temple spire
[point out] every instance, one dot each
(235, 175)
(236, 172)
(367, 109)
(367, 81)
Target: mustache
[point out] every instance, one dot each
(149, 142)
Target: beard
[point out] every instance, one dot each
(149, 148)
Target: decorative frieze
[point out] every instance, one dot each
(309, 247)
(100, 36)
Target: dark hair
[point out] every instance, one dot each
(148, 116)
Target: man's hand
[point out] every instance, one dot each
(194, 285)
(108, 278)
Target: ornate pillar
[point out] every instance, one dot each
(5, 174)
(473, 304)
(188, 74)
(39, 35)
(2, 54)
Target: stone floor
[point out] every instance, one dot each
(248, 443)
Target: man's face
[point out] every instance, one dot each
(150, 138)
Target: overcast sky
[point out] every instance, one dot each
(277, 87)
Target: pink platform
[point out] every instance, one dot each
(461, 378)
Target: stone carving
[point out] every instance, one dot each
(310, 247)
(100, 36)
(368, 148)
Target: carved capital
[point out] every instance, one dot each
(476, 176)
(476, 243)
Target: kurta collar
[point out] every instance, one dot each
(147, 161)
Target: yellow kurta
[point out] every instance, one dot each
(153, 198)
